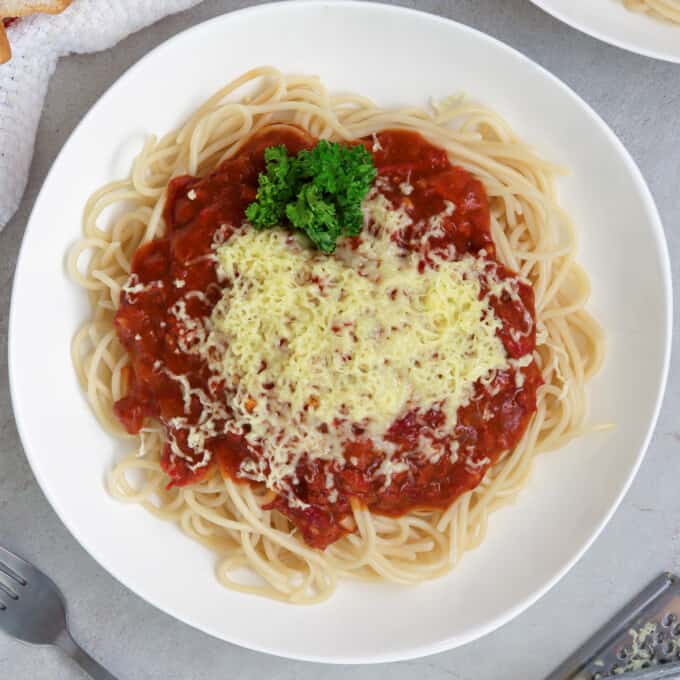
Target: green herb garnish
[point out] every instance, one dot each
(318, 191)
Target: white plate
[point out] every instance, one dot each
(398, 57)
(610, 21)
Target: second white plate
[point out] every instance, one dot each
(610, 21)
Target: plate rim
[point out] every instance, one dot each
(651, 53)
(449, 642)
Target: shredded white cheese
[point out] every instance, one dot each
(134, 286)
(364, 337)
(302, 344)
(406, 188)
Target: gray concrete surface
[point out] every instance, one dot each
(640, 99)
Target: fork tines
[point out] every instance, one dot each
(9, 577)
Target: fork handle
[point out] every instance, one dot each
(93, 668)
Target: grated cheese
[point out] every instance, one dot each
(134, 286)
(436, 223)
(406, 188)
(302, 344)
(364, 337)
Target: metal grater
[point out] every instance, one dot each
(641, 641)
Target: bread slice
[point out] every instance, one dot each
(22, 8)
(5, 51)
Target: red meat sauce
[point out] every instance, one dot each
(492, 422)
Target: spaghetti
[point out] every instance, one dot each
(263, 544)
(660, 9)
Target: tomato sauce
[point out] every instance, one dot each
(168, 269)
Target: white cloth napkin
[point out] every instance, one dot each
(37, 43)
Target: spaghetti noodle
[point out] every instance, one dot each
(261, 548)
(660, 9)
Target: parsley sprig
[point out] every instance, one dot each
(318, 191)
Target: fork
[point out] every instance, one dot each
(32, 609)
